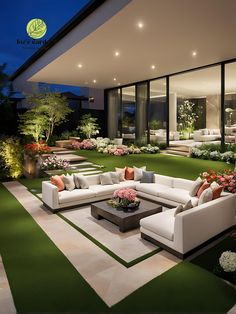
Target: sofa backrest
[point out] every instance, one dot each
(165, 180)
(185, 184)
(93, 179)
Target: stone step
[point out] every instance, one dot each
(65, 152)
(71, 157)
(177, 153)
(179, 148)
(80, 169)
(82, 164)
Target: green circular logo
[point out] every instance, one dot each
(36, 28)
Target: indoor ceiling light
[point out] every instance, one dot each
(140, 25)
(114, 79)
(94, 81)
(153, 67)
(194, 53)
(80, 65)
(117, 53)
(118, 84)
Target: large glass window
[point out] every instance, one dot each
(157, 111)
(230, 103)
(141, 113)
(195, 106)
(128, 113)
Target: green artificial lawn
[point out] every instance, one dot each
(42, 280)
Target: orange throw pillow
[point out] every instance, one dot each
(57, 181)
(129, 173)
(203, 187)
(216, 192)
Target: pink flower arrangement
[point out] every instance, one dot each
(125, 194)
(85, 144)
(227, 179)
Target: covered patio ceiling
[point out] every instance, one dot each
(142, 40)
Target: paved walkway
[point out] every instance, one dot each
(6, 301)
(103, 273)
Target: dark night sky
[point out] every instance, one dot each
(14, 16)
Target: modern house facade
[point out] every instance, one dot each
(166, 69)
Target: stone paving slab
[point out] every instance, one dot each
(6, 300)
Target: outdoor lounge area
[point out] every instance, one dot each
(118, 161)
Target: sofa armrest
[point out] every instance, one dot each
(50, 195)
(195, 226)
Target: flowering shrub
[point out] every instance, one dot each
(150, 149)
(134, 150)
(85, 144)
(53, 163)
(227, 261)
(227, 179)
(229, 156)
(124, 198)
(33, 149)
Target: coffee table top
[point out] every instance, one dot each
(144, 207)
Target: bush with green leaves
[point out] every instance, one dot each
(88, 126)
(11, 152)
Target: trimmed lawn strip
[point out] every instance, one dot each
(108, 251)
(185, 288)
(40, 276)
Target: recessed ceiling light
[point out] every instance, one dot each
(80, 65)
(114, 79)
(153, 66)
(118, 84)
(140, 25)
(94, 81)
(117, 53)
(194, 53)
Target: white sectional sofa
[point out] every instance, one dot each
(206, 135)
(179, 234)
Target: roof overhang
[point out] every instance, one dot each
(171, 31)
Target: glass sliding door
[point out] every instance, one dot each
(157, 113)
(128, 113)
(230, 103)
(195, 106)
(114, 113)
(141, 113)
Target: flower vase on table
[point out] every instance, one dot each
(125, 199)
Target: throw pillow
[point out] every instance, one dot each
(122, 173)
(57, 181)
(76, 180)
(206, 196)
(217, 192)
(214, 185)
(188, 205)
(105, 179)
(203, 187)
(115, 177)
(138, 173)
(82, 181)
(196, 186)
(178, 210)
(129, 173)
(148, 177)
(69, 182)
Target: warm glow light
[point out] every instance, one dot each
(80, 65)
(140, 25)
(153, 67)
(118, 84)
(117, 53)
(94, 81)
(194, 53)
(114, 79)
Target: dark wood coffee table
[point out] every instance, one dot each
(125, 220)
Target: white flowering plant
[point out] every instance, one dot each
(226, 268)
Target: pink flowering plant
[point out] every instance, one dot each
(226, 178)
(53, 163)
(126, 198)
(85, 144)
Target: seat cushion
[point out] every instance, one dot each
(151, 188)
(177, 195)
(75, 195)
(100, 189)
(161, 224)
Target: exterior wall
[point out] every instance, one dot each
(97, 94)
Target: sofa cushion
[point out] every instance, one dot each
(69, 182)
(75, 195)
(203, 187)
(165, 180)
(217, 192)
(138, 173)
(82, 181)
(161, 224)
(58, 182)
(115, 177)
(206, 196)
(178, 209)
(105, 179)
(147, 177)
(196, 186)
(129, 173)
(182, 184)
(100, 190)
(177, 195)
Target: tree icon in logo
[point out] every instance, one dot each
(36, 28)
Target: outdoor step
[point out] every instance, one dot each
(72, 157)
(177, 153)
(179, 148)
(82, 164)
(81, 169)
(57, 149)
(64, 152)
